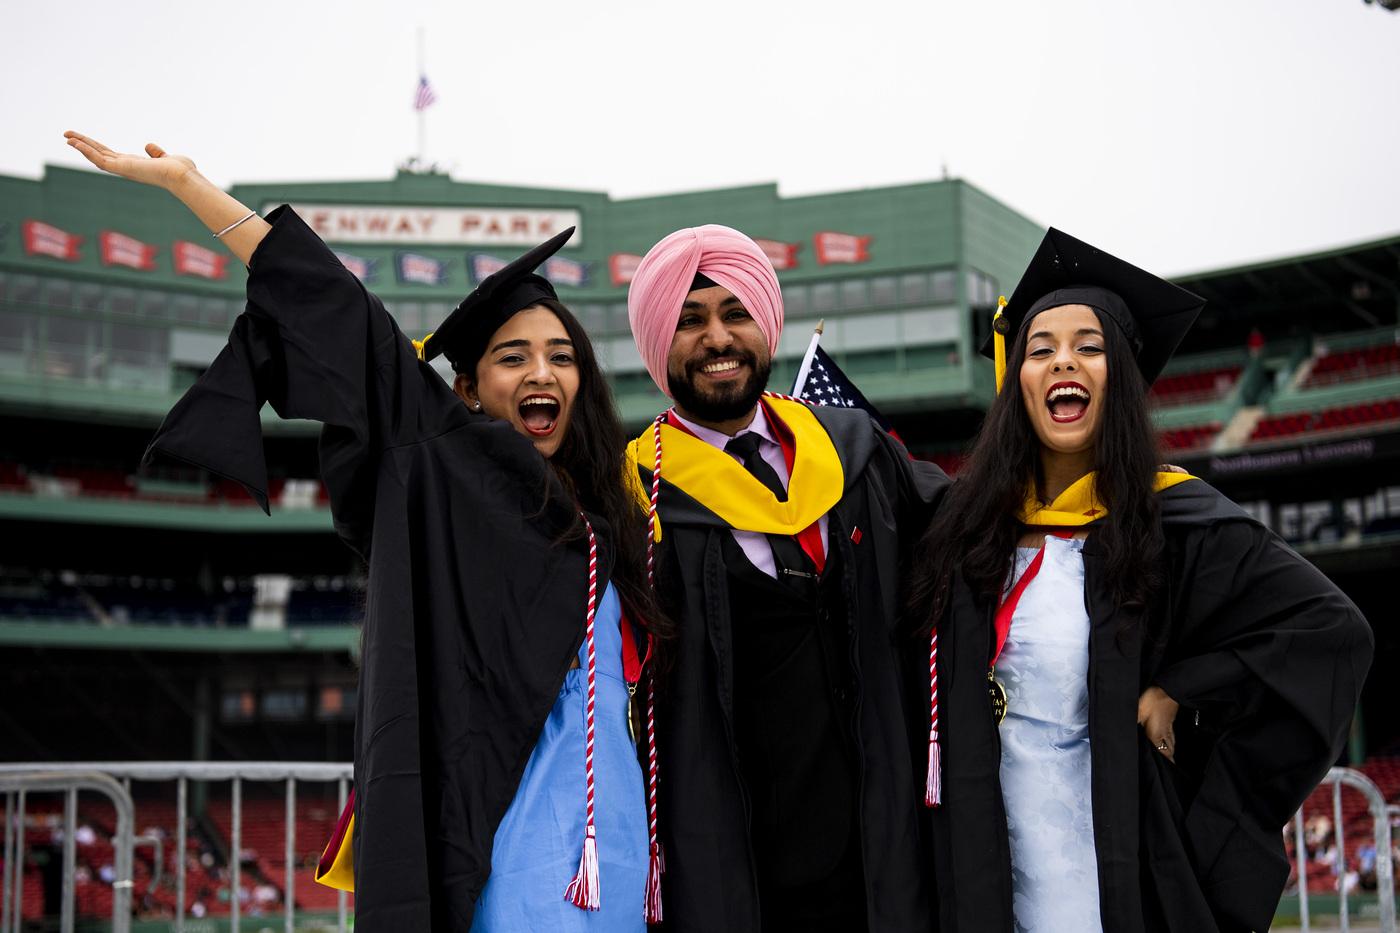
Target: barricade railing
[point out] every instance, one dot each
(114, 779)
(16, 785)
(1381, 815)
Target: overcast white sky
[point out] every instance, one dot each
(1182, 135)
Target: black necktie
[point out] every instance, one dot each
(745, 447)
(793, 564)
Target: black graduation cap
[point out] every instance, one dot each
(462, 336)
(1151, 312)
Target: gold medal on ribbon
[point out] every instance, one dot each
(997, 693)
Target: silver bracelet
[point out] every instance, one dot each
(235, 223)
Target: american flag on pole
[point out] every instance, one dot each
(826, 384)
(424, 97)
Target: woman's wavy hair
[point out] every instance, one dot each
(976, 529)
(591, 462)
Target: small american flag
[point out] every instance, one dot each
(826, 384)
(424, 97)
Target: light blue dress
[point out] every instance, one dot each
(537, 846)
(1045, 778)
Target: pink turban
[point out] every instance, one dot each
(663, 279)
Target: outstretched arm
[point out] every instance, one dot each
(215, 208)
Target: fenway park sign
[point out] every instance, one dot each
(494, 226)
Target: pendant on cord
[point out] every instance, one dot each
(997, 693)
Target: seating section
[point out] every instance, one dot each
(1354, 365)
(117, 484)
(1342, 418)
(207, 880)
(36, 595)
(1358, 831)
(1190, 438)
(1205, 385)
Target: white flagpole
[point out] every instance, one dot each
(806, 367)
(422, 111)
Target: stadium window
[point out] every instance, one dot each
(19, 334)
(139, 357)
(823, 297)
(936, 357)
(214, 312)
(869, 364)
(284, 704)
(913, 288)
(25, 289)
(434, 313)
(58, 293)
(154, 306)
(884, 290)
(409, 315)
(88, 297)
(237, 706)
(71, 349)
(795, 299)
(871, 330)
(617, 318)
(4, 287)
(121, 301)
(945, 286)
(335, 702)
(855, 295)
(929, 325)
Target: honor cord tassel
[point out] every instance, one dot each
(583, 891)
(933, 781)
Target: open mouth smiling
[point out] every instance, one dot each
(539, 413)
(1067, 402)
(721, 369)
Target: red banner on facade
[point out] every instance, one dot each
(622, 266)
(781, 255)
(41, 239)
(118, 249)
(835, 247)
(198, 261)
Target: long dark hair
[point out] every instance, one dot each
(591, 461)
(976, 529)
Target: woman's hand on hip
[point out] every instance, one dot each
(1156, 713)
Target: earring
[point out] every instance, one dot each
(476, 406)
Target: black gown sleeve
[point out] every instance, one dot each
(1274, 655)
(314, 344)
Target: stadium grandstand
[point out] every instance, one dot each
(159, 615)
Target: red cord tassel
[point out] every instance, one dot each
(583, 890)
(654, 871)
(933, 784)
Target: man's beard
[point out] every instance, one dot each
(722, 402)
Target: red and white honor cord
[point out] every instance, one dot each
(933, 782)
(583, 890)
(656, 861)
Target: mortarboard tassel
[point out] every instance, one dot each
(999, 328)
(583, 890)
(420, 345)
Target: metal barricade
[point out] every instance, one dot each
(20, 781)
(1381, 815)
(114, 780)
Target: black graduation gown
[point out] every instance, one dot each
(710, 882)
(474, 613)
(1266, 657)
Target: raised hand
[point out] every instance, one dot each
(157, 168)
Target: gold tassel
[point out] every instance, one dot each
(999, 328)
(418, 345)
